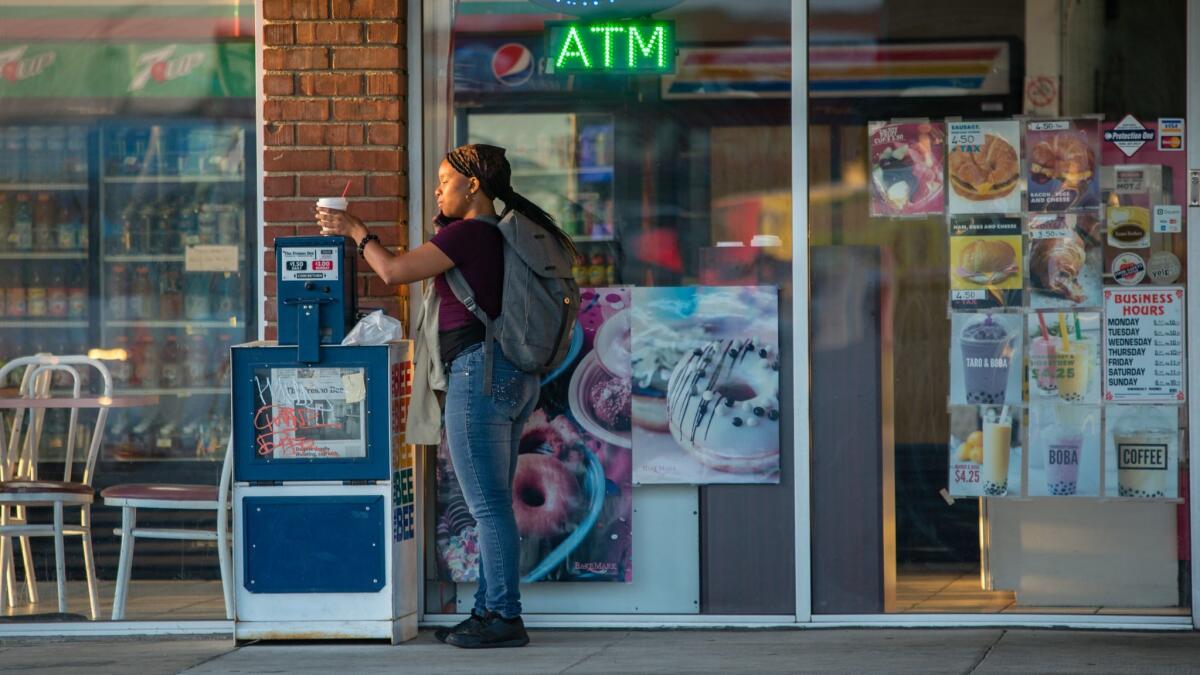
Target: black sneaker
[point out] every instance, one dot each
(493, 632)
(466, 624)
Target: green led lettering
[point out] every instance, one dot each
(607, 31)
(573, 49)
(637, 44)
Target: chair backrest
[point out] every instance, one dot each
(19, 460)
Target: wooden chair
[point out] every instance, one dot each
(20, 486)
(132, 497)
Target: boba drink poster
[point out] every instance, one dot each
(572, 492)
(983, 167)
(1064, 451)
(985, 262)
(1064, 357)
(1142, 451)
(985, 359)
(1064, 262)
(706, 406)
(1062, 165)
(985, 451)
(907, 160)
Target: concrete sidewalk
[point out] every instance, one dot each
(983, 651)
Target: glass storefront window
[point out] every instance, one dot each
(996, 320)
(661, 144)
(127, 201)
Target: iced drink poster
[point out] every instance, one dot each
(985, 359)
(705, 391)
(907, 160)
(985, 451)
(985, 262)
(1064, 262)
(1064, 450)
(1064, 357)
(573, 491)
(1144, 343)
(983, 167)
(1062, 164)
(1142, 446)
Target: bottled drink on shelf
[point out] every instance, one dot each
(55, 164)
(14, 155)
(77, 293)
(70, 225)
(35, 293)
(170, 294)
(197, 299)
(6, 221)
(198, 366)
(35, 154)
(77, 170)
(189, 232)
(147, 362)
(206, 225)
(142, 296)
(22, 232)
(144, 226)
(117, 293)
(225, 291)
(124, 242)
(56, 293)
(165, 237)
(45, 222)
(229, 227)
(122, 370)
(16, 300)
(173, 366)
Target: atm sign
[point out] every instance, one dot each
(611, 47)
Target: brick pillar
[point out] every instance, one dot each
(334, 84)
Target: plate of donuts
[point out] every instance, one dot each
(600, 402)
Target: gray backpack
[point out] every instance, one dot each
(540, 299)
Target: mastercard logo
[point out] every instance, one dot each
(1172, 142)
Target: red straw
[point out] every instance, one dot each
(346, 190)
(1045, 331)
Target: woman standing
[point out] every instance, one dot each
(483, 432)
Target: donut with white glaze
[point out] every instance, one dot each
(723, 406)
(545, 495)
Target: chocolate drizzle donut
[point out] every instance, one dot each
(723, 405)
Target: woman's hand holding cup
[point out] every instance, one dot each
(335, 220)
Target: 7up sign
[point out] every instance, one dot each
(162, 65)
(15, 66)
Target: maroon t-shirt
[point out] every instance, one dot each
(476, 248)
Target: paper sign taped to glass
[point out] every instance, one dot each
(309, 413)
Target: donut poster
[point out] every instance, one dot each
(705, 389)
(572, 492)
(985, 262)
(906, 169)
(983, 167)
(1063, 164)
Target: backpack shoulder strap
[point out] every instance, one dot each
(466, 295)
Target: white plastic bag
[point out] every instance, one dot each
(375, 328)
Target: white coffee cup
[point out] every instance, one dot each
(336, 203)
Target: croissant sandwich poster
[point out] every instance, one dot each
(985, 262)
(1063, 164)
(983, 167)
(1064, 261)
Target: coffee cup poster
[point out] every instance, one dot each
(572, 492)
(907, 167)
(985, 451)
(985, 262)
(983, 167)
(705, 390)
(985, 359)
(1142, 447)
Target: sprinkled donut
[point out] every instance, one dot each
(723, 405)
(545, 495)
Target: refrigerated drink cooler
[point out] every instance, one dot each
(325, 519)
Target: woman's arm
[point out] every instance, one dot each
(426, 261)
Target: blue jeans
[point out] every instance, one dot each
(484, 434)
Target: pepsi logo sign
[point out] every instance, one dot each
(513, 64)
